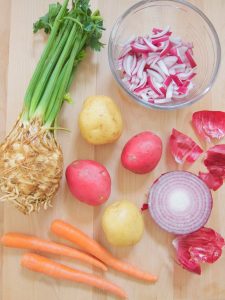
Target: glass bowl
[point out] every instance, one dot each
(186, 21)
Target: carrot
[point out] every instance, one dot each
(50, 268)
(70, 233)
(18, 240)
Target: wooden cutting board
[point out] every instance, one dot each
(19, 53)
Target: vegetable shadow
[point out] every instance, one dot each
(76, 212)
(129, 182)
(158, 234)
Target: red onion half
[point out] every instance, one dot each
(180, 202)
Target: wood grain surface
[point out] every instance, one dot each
(19, 53)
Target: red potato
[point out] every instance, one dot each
(142, 153)
(89, 181)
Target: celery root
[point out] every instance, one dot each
(31, 167)
(31, 160)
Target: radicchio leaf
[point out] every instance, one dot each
(209, 124)
(215, 160)
(202, 246)
(144, 207)
(183, 148)
(212, 181)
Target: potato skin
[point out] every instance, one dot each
(100, 120)
(89, 181)
(122, 223)
(142, 153)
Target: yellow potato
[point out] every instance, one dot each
(100, 120)
(122, 223)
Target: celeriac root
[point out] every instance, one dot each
(31, 164)
(31, 161)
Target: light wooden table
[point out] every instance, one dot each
(19, 52)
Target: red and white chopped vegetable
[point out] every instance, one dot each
(212, 181)
(158, 68)
(202, 246)
(183, 148)
(180, 202)
(215, 160)
(209, 124)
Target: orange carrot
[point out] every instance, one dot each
(70, 233)
(18, 240)
(50, 268)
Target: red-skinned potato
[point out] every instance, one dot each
(89, 181)
(142, 153)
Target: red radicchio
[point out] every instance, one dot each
(202, 246)
(144, 207)
(209, 124)
(183, 147)
(212, 181)
(215, 160)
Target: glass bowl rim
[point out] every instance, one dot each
(136, 98)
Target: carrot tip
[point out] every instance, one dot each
(154, 278)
